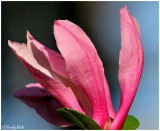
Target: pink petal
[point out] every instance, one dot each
(45, 105)
(56, 61)
(58, 66)
(30, 85)
(130, 65)
(50, 82)
(84, 65)
(51, 57)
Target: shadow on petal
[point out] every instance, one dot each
(44, 104)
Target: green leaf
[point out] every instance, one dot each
(78, 119)
(131, 123)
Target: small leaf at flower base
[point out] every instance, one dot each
(131, 123)
(78, 119)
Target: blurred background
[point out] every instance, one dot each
(101, 22)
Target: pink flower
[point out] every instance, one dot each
(75, 78)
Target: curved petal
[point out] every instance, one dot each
(52, 84)
(84, 65)
(55, 60)
(45, 105)
(130, 65)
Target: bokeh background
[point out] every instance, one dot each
(101, 21)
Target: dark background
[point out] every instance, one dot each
(101, 22)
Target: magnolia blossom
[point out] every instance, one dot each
(75, 78)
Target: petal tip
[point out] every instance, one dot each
(29, 36)
(16, 94)
(55, 21)
(58, 22)
(10, 42)
(124, 9)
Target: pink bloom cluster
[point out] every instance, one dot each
(75, 78)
